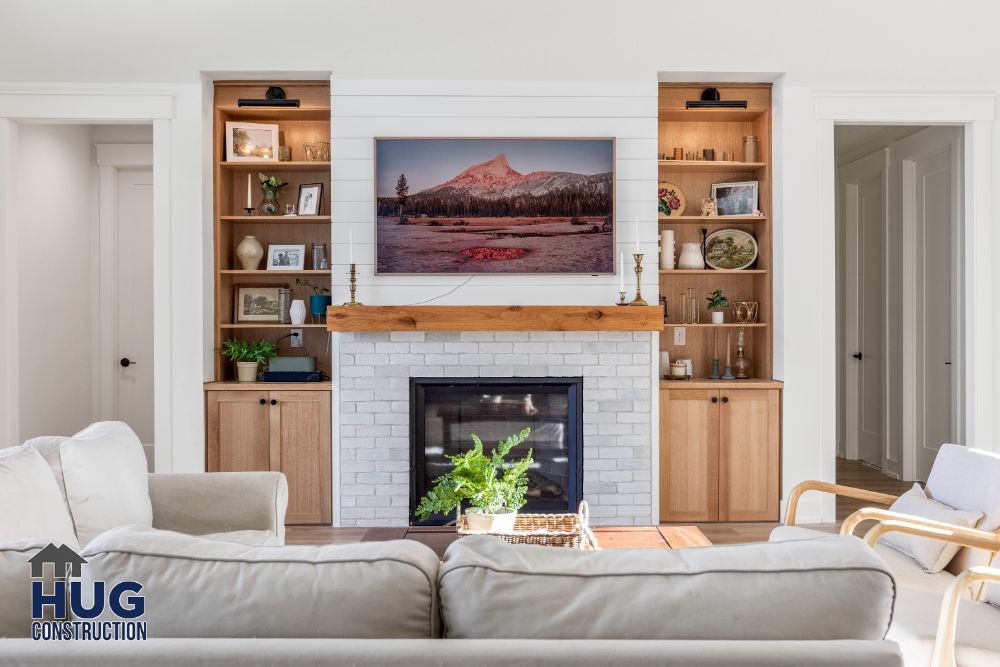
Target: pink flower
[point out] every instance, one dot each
(674, 203)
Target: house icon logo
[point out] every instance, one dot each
(65, 562)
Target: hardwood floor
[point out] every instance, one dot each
(849, 473)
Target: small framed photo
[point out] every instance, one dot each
(286, 257)
(251, 142)
(735, 198)
(256, 303)
(310, 198)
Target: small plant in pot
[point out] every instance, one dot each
(319, 300)
(248, 355)
(716, 302)
(493, 487)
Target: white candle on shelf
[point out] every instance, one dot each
(667, 249)
(350, 238)
(249, 191)
(621, 276)
(637, 235)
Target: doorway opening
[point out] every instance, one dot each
(900, 241)
(83, 209)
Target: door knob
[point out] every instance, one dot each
(274, 402)
(262, 401)
(858, 356)
(725, 399)
(715, 399)
(126, 362)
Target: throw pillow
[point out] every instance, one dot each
(932, 555)
(107, 485)
(31, 506)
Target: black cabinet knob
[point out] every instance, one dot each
(715, 399)
(274, 402)
(725, 399)
(262, 401)
(126, 362)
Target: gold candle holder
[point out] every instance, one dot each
(354, 286)
(621, 299)
(638, 300)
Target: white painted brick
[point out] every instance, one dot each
(565, 370)
(344, 408)
(599, 347)
(460, 371)
(633, 418)
(589, 406)
(582, 359)
(348, 383)
(406, 359)
(564, 348)
(613, 499)
(373, 501)
(615, 406)
(495, 348)
(392, 348)
(392, 418)
(544, 359)
(442, 337)
(592, 464)
(615, 452)
(511, 359)
(357, 419)
(372, 359)
(359, 490)
(392, 394)
(357, 348)
(616, 335)
(614, 383)
(370, 383)
(633, 371)
(615, 359)
(641, 406)
(357, 513)
(401, 478)
(476, 359)
(615, 476)
(400, 454)
(357, 466)
(594, 487)
(461, 348)
(641, 359)
(624, 487)
(588, 429)
(357, 395)
(546, 336)
(427, 371)
(400, 406)
(644, 499)
(641, 348)
(476, 336)
(371, 454)
(510, 336)
(355, 371)
(348, 501)
(633, 510)
(373, 406)
(392, 489)
(579, 336)
(392, 512)
(374, 478)
(347, 360)
(393, 466)
(496, 371)
(373, 431)
(530, 348)
(393, 370)
(425, 348)
(407, 336)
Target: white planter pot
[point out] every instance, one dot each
(297, 312)
(718, 317)
(691, 257)
(480, 521)
(246, 371)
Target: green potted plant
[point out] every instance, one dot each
(248, 355)
(493, 487)
(716, 302)
(269, 186)
(319, 300)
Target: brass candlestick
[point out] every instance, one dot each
(621, 299)
(354, 286)
(638, 300)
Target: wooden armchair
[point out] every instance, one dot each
(836, 489)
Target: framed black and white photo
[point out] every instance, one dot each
(256, 303)
(735, 198)
(251, 142)
(310, 198)
(286, 257)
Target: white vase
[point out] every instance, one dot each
(691, 257)
(667, 249)
(246, 371)
(718, 317)
(249, 252)
(481, 522)
(298, 311)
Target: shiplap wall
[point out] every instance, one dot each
(365, 109)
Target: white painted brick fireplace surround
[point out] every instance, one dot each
(372, 408)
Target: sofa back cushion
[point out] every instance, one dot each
(15, 587)
(105, 476)
(195, 587)
(31, 506)
(822, 589)
(931, 555)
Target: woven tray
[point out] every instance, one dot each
(551, 530)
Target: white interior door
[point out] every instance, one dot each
(930, 171)
(865, 183)
(133, 400)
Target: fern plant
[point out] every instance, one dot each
(488, 482)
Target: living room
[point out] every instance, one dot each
(310, 264)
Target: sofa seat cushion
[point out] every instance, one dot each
(197, 587)
(828, 588)
(15, 587)
(31, 505)
(104, 470)
(248, 538)
(914, 627)
(790, 533)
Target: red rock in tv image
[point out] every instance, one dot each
(494, 205)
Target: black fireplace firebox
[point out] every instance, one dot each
(445, 411)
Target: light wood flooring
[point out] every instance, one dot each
(849, 473)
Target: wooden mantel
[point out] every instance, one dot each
(495, 318)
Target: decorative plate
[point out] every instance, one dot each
(730, 249)
(672, 200)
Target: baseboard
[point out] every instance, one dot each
(818, 509)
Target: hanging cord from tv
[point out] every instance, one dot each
(441, 296)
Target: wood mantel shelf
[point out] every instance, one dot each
(495, 318)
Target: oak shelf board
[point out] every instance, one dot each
(233, 385)
(275, 219)
(712, 220)
(705, 383)
(710, 165)
(707, 272)
(275, 165)
(265, 272)
(495, 318)
(275, 113)
(711, 115)
(269, 325)
(709, 325)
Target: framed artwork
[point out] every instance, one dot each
(310, 198)
(256, 303)
(735, 198)
(286, 257)
(251, 142)
(730, 249)
(514, 206)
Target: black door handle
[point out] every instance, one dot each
(262, 401)
(725, 399)
(126, 362)
(274, 402)
(715, 399)
(858, 356)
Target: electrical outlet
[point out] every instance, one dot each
(680, 336)
(296, 337)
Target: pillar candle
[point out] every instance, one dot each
(621, 276)
(637, 235)
(350, 240)
(249, 191)
(667, 249)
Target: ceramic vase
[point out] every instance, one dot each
(249, 252)
(718, 317)
(691, 257)
(298, 311)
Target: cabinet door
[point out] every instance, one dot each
(237, 436)
(689, 455)
(750, 431)
(300, 448)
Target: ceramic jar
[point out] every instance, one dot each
(298, 311)
(691, 257)
(249, 252)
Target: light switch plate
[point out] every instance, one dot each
(680, 335)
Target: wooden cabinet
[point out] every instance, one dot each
(720, 452)
(284, 430)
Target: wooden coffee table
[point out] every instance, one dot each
(608, 537)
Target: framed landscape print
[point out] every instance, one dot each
(469, 206)
(286, 257)
(735, 198)
(256, 303)
(251, 142)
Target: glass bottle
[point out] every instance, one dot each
(750, 148)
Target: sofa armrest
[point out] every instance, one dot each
(219, 502)
(836, 489)
(935, 530)
(944, 640)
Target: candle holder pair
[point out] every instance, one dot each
(638, 300)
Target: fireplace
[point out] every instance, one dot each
(445, 411)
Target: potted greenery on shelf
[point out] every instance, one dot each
(319, 300)
(493, 487)
(716, 302)
(248, 355)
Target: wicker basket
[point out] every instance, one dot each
(551, 530)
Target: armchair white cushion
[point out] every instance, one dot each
(931, 555)
(31, 506)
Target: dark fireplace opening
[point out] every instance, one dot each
(445, 411)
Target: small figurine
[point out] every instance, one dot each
(708, 207)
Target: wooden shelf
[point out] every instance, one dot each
(709, 165)
(705, 383)
(709, 220)
(275, 219)
(268, 386)
(495, 318)
(709, 325)
(707, 272)
(275, 166)
(265, 272)
(274, 113)
(711, 115)
(270, 325)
